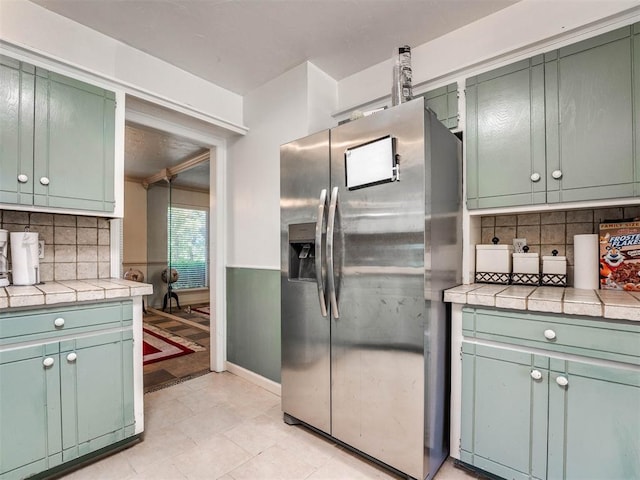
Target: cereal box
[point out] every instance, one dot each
(620, 256)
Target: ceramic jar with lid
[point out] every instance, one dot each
(493, 262)
(554, 270)
(526, 268)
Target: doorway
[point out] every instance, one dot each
(170, 235)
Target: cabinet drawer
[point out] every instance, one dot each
(609, 340)
(28, 325)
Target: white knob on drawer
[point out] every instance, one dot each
(47, 362)
(557, 174)
(59, 322)
(44, 180)
(562, 381)
(535, 177)
(22, 178)
(536, 374)
(549, 334)
(72, 357)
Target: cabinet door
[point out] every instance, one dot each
(29, 411)
(443, 102)
(16, 131)
(594, 421)
(505, 136)
(97, 392)
(74, 144)
(504, 411)
(589, 88)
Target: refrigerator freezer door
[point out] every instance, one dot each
(377, 354)
(304, 166)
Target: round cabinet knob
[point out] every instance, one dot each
(549, 334)
(48, 362)
(72, 357)
(536, 374)
(535, 177)
(22, 178)
(557, 174)
(59, 322)
(44, 180)
(562, 381)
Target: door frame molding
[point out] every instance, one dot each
(217, 219)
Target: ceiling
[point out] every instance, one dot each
(147, 151)
(242, 44)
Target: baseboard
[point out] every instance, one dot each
(254, 378)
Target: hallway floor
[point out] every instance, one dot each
(168, 372)
(220, 426)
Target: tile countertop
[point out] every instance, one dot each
(614, 304)
(66, 291)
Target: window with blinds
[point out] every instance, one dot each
(188, 249)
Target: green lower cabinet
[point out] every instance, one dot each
(504, 411)
(30, 435)
(529, 416)
(97, 406)
(594, 421)
(62, 400)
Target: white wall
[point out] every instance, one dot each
(521, 29)
(282, 110)
(28, 28)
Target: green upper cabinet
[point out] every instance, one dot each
(444, 103)
(16, 131)
(58, 140)
(559, 127)
(590, 91)
(505, 136)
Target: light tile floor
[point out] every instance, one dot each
(220, 426)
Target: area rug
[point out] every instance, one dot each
(204, 310)
(161, 345)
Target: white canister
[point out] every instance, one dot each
(526, 263)
(554, 264)
(25, 263)
(494, 258)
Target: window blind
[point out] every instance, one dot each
(188, 250)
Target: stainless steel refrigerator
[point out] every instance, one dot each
(370, 238)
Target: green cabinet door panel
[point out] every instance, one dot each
(504, 411)
(97, 397)
(636, 104)
(29, 411)
(74, 144)
(505, 138)
(443, 102)
(590, 119)
(16, 131)
(594, 422)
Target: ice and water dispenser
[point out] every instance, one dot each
(302, 252)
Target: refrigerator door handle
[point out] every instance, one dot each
(318, 251)
(333, 206)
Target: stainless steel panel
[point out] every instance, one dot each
(378, 340)
(304, 166)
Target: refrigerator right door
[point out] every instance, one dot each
(376, 224)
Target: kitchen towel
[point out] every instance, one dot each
(585, 254)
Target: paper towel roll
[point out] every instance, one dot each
(24, 258)
(586, 254)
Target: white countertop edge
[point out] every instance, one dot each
(610, 304)
(71, 291)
